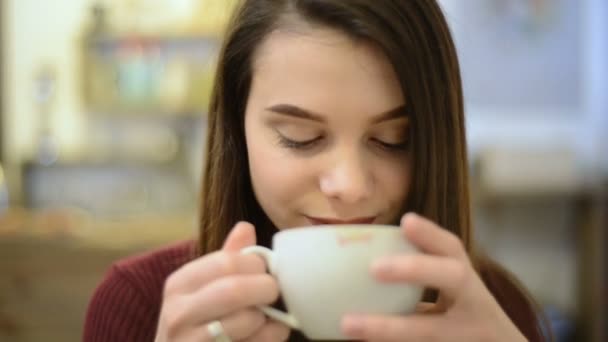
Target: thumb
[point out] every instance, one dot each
(241, 236)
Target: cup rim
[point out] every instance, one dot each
(360, 227)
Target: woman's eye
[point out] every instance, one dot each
(392, 146)
(297, 144)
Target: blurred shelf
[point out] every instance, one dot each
(109, 44)
(143, 75)
(113, 188)
(146, 112)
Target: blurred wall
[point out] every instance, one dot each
(542, 236)
(47, 35)
(41, 34)
(598, 70)
(578, 122)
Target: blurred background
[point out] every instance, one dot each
(102, 125)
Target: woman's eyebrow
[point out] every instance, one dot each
(301, 113)
(297, 112)
(395, 113)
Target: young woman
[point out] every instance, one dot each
(325, 111)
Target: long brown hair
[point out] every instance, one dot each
(416, 39)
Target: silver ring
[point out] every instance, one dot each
(216, 330)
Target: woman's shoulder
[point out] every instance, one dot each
(161, 261)
(148, 270)
(131, 291)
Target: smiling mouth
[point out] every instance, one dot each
(359, 220)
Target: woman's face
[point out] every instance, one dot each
(326, 131)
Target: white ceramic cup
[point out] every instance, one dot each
(323, 273)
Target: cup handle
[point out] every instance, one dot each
(269, 257)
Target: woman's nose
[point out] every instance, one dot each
(348, 179)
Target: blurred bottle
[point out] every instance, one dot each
(99, 77)
(44, 91)
(4, 199)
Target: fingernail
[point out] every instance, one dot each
(353, 325)
(402, 222)
(408, 216)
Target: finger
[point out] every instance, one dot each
(238, 325)
(271, 331)
(229, 294)
(392, 328)
(201, 271)
(241, 236)
(431, 238)
(449, 275)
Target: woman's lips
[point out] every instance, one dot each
(359, 220)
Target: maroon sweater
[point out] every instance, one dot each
(126, 305)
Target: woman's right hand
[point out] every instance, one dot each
(225, 286)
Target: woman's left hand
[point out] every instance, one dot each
(465, 311)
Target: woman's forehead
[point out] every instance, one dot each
(324, 68)
(310, 44)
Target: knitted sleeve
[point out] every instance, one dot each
(120, 311)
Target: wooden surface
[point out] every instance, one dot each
(45, 287)
(47, 275)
